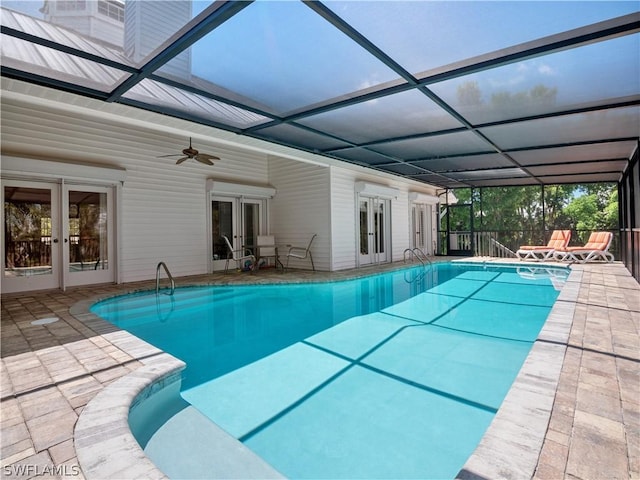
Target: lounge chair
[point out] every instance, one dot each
(238, 255)
(559, 239)
(596, 249)
(301, 253)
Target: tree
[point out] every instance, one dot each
(593, 207)
(516, 216)
(469, 94)
(538, 95)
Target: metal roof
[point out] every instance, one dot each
(453, 94)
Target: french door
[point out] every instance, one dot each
(374, 233)
(56, 235)
(421, 227)
(240, 219)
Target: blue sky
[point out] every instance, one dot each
(285, 55)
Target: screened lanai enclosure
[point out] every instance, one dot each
(495, 221)
(458, 95)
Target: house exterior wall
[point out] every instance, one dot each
(343, 215)
(300, 209)
(162, 207)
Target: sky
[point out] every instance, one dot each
(285, 56)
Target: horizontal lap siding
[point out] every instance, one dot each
(163, 209)
(343, 218)
(344, 215)
(400, 223)
(301, 208)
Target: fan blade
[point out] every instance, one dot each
(206, 161)
(180, 160)
(166, 156)
(206, 156)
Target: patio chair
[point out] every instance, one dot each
(596, 249)
(266, 245)
(301, 253)
(559, 239)
(239, 255)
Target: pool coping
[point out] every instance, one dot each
(510, 447)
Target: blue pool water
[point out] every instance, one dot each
(389, 376)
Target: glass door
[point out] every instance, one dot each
(223, 223)
(251, 223)
(41, 251)
(422, 236)
(88, 253)
(374, 224)
(240, 219)
(30, 236)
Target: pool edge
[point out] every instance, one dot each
(105, 445)
(510, 447)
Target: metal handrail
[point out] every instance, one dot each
(417, 253)
(422, 256)
(413, 253)
(171, 280)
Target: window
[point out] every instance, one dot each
(111, 9)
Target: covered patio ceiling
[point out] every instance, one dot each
(453, 93)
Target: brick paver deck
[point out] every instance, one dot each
(50, 372)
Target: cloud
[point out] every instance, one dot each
(506, 82)
(546, 70)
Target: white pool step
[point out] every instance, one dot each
(190, 446)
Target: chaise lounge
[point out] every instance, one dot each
(559, 240)
(596, 249)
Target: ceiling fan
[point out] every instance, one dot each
(191, 152)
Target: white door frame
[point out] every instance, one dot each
(422, 234)
(36, 172)
(378, 236)
(59, 240)
(379, 193)
(425, 205)
(36, 281)
(104, 271)
(238, 235)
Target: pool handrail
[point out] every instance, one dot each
(169, 276)
(417, 253)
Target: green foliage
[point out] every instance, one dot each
(595, 209)
(521, 216)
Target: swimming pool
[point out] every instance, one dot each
(395, 375)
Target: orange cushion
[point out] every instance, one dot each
(597, 241)
(559, 239)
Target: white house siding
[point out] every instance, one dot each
(343, 214)
(164, 206)
(148, 26)
(400, 228)
(163, 209)
(343, 219)
(300, 208)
